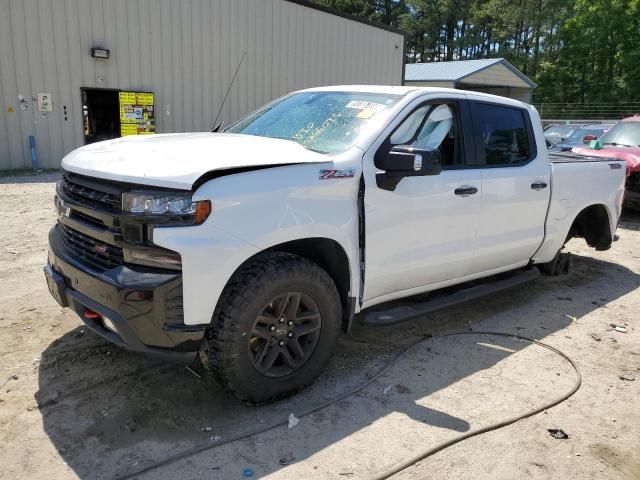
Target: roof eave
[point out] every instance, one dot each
(433, 80)
(502, 61)
(348, 16)
(513, 70)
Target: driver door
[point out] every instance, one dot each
(422, 232)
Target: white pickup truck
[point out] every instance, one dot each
(252, 248)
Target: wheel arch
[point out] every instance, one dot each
(333, 258)
(593, 223)
(330, 255)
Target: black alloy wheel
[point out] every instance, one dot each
(285, 334)
(274, 328)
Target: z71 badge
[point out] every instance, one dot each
(337, 173)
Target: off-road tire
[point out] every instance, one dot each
(225, 351)
(560, 265)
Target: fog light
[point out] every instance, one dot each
(139, 296)
(153, 257)
(108, 324)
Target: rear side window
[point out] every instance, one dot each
(503, 134)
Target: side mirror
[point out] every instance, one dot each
(408, 161)
(405, 161)
(588, 138)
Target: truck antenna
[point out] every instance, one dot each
(216, 128)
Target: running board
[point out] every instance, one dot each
(407, 312)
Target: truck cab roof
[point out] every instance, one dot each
(407, 90)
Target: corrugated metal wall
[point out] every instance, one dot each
(435, 83)
(185, 51)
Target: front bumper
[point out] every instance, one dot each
(137, 301)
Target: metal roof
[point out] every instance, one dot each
(455, 71)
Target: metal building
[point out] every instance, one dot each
(77, 71)
(494, 75)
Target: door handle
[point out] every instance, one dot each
(465, 191)
(538, 185)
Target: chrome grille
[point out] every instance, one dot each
(173, 305)
(94, 252)
(91, 197)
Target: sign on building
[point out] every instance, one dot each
(137, 115)
(44, 102)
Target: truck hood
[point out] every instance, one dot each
(631, 155)
(179, 160)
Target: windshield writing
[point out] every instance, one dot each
(325, 122)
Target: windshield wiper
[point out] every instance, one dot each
(615, 144)
(301, 144)
(315, 150)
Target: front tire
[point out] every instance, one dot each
(274, 328)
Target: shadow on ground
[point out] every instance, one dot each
(110, 412)
(630, 219)
(48, 176)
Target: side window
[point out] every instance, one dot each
(407, 129)
(504, 136)
(430, 126)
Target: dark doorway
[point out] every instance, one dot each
(100, 114)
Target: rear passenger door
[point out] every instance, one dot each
(515, 187)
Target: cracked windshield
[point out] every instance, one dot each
(324, 122)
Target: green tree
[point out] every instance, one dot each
(599, 54)
(585, 51)
(384, 11)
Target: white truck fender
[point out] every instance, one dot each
(270, 207)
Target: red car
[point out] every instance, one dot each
(622, 142)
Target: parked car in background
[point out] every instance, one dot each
(582, 136)
(622, 142)
(560, 132)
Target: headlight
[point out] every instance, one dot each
(166, 204)
(149, 203)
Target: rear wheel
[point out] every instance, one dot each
(560, 265)
(274, 328)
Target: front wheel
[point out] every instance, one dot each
(275, 327)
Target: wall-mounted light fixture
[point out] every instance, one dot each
(101, 53)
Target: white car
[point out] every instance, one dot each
(254, 247)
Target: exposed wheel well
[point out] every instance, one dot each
(330, 255)
(593, 225)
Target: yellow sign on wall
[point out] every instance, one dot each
(137, 115)
(128, 129)
(144, 98)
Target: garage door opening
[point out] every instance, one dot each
(100, 114)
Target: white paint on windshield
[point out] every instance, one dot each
(325, 122)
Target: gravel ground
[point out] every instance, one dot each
(73, 406)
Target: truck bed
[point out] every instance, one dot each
(569, 157)
(578, 182)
